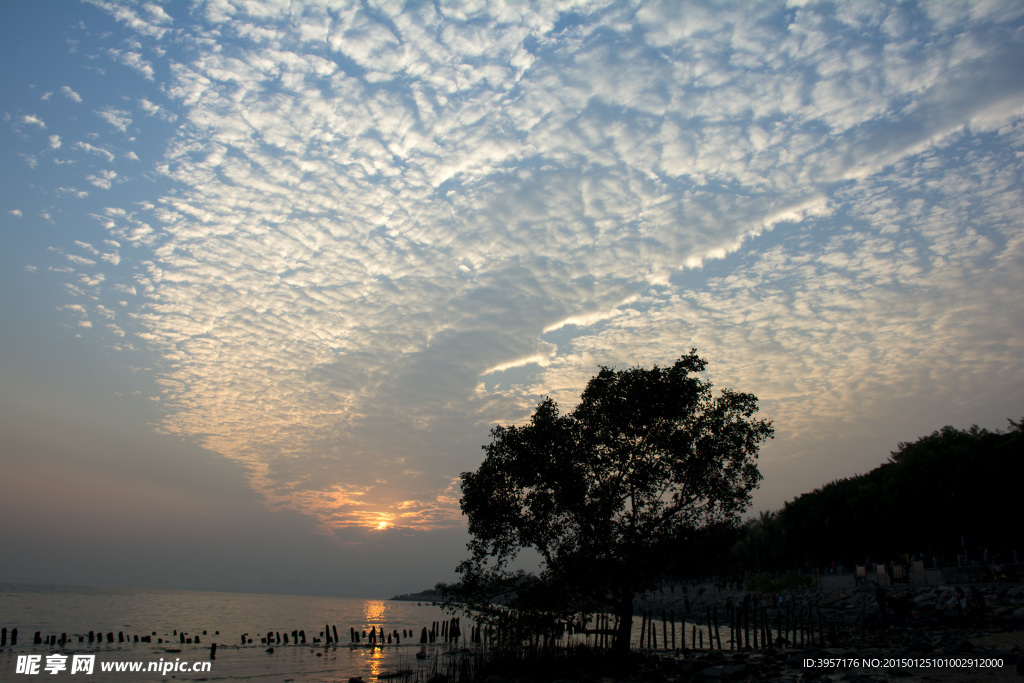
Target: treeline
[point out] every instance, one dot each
(954, 492)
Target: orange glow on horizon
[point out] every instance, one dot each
(375, 509)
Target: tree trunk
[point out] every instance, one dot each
(624, 611)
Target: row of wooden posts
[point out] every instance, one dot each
(447, 631)
(750, 627)
(97, 637)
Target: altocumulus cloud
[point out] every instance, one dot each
(394, 225)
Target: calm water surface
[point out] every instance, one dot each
(215, 617)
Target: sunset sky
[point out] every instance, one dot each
(271, 271)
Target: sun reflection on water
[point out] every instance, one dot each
(373, 612)
(376, 662)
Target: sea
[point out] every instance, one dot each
(238, 623)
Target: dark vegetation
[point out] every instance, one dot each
(954, 492)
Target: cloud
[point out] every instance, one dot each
(133, 60)
(391, 228)
(70, 94)
(93, 149)
(151, 109)
(102, 179)
(33, 120)
(117, 118)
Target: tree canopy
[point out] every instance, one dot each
(640, 473)
(947, 493)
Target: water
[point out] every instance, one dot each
(223, 618)
(219, 618)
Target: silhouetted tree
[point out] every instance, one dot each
(612, 493)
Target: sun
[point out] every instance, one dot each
(382, 526)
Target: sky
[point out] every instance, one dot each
(272, 270)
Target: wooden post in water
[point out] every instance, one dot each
(821, 630)
(693, 637)
(737, 634)
(810, 626)
(794, 626)
(672, 620)
(802, 631)
(718, 635)
(732, 627)
(643, 624)
(807, 620)
(213, 650)
(746, 624)
(664, 631)
(753, 608)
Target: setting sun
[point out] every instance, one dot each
(382, 526)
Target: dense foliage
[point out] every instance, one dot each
(648, 470)
(948, 493)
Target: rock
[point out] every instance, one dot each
(689, 667)
(725, 672)
(963, 646)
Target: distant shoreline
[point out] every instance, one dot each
(429, 595)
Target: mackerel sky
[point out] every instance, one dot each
(291, 261)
